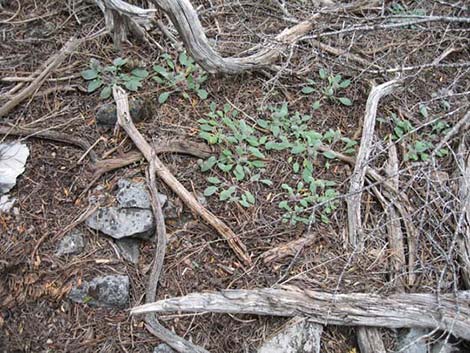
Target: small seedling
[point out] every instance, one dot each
(330, 88)
(110, 75)
(182, 76)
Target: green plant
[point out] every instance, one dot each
(240, 157)
(330, 88)
(419, 144)
(183, 76)
(299, 201)
(116, 74)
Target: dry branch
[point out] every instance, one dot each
(463, 240)
(369, 340)
(27, 92)
(125, 121)
(198, 150)
(356, 237)
(450, 313)
(48, 135)
(178, 343)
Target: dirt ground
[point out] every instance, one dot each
(35, 314)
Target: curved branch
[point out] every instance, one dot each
(185, 18)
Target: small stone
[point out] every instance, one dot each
(163, 348)
(13, 158)
(72, 243)
(298, 336)
(6, 203)
(123, 222)
(411, 341)
(107, 291)
(106, 115)
(131, 194)
(129, 249)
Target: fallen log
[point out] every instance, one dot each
(447, 312)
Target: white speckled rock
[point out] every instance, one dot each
(298, 336)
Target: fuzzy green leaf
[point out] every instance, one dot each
(163, 97)
(210, 190)
(89, 74)
(94, 85)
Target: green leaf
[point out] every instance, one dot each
(106, 92)
(249, 197)
(345, 101)
(323, 74)
(202, 93)
(226, 194)
(244, 202)
(133, 85)
(140, 73)
(316, 105)
(239, 172)
(299, 148)
(162, 98)
(329, 154)
(183, 59)
(345, 84)
(94, 85)
(119, 62)
(284, 205)
(225, 167)
(214, 180)
(263, 123)
(208, 164)
(160, 70)
(423, 110)
(255, 152)
(296, 167)
(257, 164)
(308, 90)
(210, 190)
(266, 182)
(89, 74)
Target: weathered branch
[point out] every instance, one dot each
(157, 329)
(449, 313)
(125, 121)
(356, 237)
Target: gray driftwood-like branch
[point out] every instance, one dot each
(119, 15)
(356, 237)
(448, 312)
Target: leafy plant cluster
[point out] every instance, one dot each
(243, 153)
(418, 145)
(185, 77)
(182, 75)
(105, 77)
(330, 88)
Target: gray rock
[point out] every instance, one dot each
(72, 243)
(132, 217)
(123, 222)
(107, 291)
(13, 157)
(6, 203)
(412, 341)
(163, 348)
(129, 248)
(106, 115)
(131, 194)
(298, 336)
